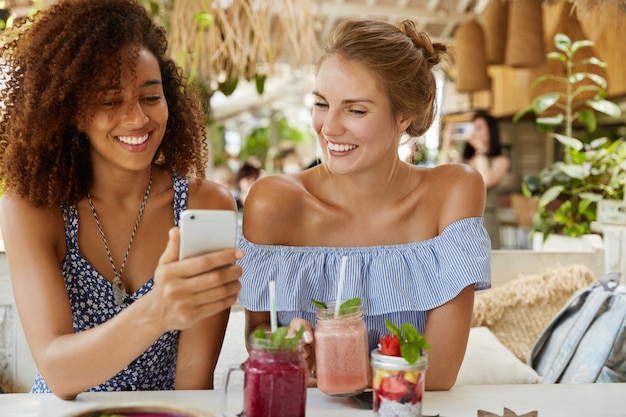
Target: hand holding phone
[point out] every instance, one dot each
(462, 131)
(203, 231)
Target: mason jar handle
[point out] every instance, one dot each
(227, 373)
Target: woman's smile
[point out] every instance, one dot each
(340, 147)
(133, 140)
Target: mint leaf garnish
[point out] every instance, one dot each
(344, 308)
(411, 341)
(278, 340)
(319, 304)
(393, 329)
(410, 352)
(349, 305)
(277, 337)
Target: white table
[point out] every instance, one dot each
(607, 400)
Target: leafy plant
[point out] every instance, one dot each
(591, 170)
(258, 143)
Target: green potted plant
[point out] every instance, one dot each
(593, 168)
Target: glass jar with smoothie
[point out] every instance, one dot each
(341, 349)
(274, 378)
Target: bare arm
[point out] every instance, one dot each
(198, 352)
(446, 145)
(492, 171)
(199, 346)
(257, 320)
(447, 327)
(447, 331)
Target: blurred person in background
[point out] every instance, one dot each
(483, 151)
(247, 174)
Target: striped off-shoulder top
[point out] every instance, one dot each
(396, 282)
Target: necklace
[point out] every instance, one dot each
(119, 292)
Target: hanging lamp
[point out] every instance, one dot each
(525, 41)
(471, 58)
(495, 20)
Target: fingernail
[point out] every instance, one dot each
(307, 337)
(239, 254)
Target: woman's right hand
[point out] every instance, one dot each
(193, 289)
(448, 129)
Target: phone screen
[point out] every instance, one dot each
(462, 131)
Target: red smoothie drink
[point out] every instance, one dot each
(274, 384)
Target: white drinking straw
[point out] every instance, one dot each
(273, 317)
(342, 275)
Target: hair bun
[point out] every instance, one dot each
(432, 52)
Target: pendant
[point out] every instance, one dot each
(119, 292)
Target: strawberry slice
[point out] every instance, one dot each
(392, 388)
(390, 345)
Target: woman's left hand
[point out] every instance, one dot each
(308, 342)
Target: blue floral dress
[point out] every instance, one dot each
(91, 299)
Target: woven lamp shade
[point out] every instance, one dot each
(569, 25)
(471, 58)
(525, 42)
(495, 19)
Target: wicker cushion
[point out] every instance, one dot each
(518, 310)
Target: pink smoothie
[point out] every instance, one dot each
(341, 356)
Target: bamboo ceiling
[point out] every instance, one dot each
(245, 38)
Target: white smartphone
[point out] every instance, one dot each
(203, 231)
(462, 131)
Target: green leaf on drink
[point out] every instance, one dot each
(278, 340)
(345, 308)
(412, 342)
(393, 329)
(319, 304)
(348, 306)
(410, 352)
(277, 337)
(298, 336)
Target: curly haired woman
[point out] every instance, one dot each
(102, 145)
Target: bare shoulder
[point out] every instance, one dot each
(273, 203)
(460, 191)
(15, 209)
(206, 194)
(272, 190)
(502, 161)
(24, 225)
(456, 174)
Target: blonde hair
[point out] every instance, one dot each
(401, 57)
